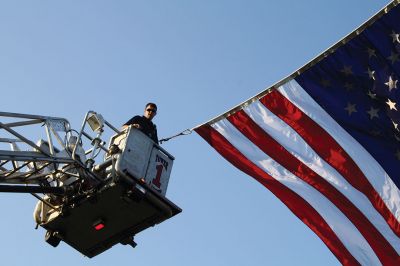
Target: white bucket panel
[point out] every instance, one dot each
(142, 158)
(135, 152)
(159, 170)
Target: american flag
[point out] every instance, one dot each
(326, 142)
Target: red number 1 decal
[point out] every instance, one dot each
(157, 180)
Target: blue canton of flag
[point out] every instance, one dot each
(358, 86)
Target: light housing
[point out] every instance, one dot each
(96, 122)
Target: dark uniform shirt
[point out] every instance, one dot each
(146, 126)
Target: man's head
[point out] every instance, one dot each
(150, 111)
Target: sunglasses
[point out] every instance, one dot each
(151, 110)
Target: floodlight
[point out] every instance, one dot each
(96, 122)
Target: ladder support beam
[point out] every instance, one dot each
(32, 189)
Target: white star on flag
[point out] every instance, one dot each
(395, 125)
(395, 37)
(373, 113)
(347, 70)
(394, 57)
(371, 74)
(350, 108)
(371, 52)
(372, 95)
(392, 105)
(392, 84)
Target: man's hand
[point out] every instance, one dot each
(124, 127)
(136, 125)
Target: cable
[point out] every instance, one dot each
(183, 133)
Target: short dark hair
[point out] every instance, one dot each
(151, 105)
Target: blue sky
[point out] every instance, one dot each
(196, 60)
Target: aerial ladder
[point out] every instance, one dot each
(91, 194)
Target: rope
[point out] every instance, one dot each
(183, 133)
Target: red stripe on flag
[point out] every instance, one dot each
(301, 208)
(328, 149)
(382, 248)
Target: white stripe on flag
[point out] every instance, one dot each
(338, 222)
